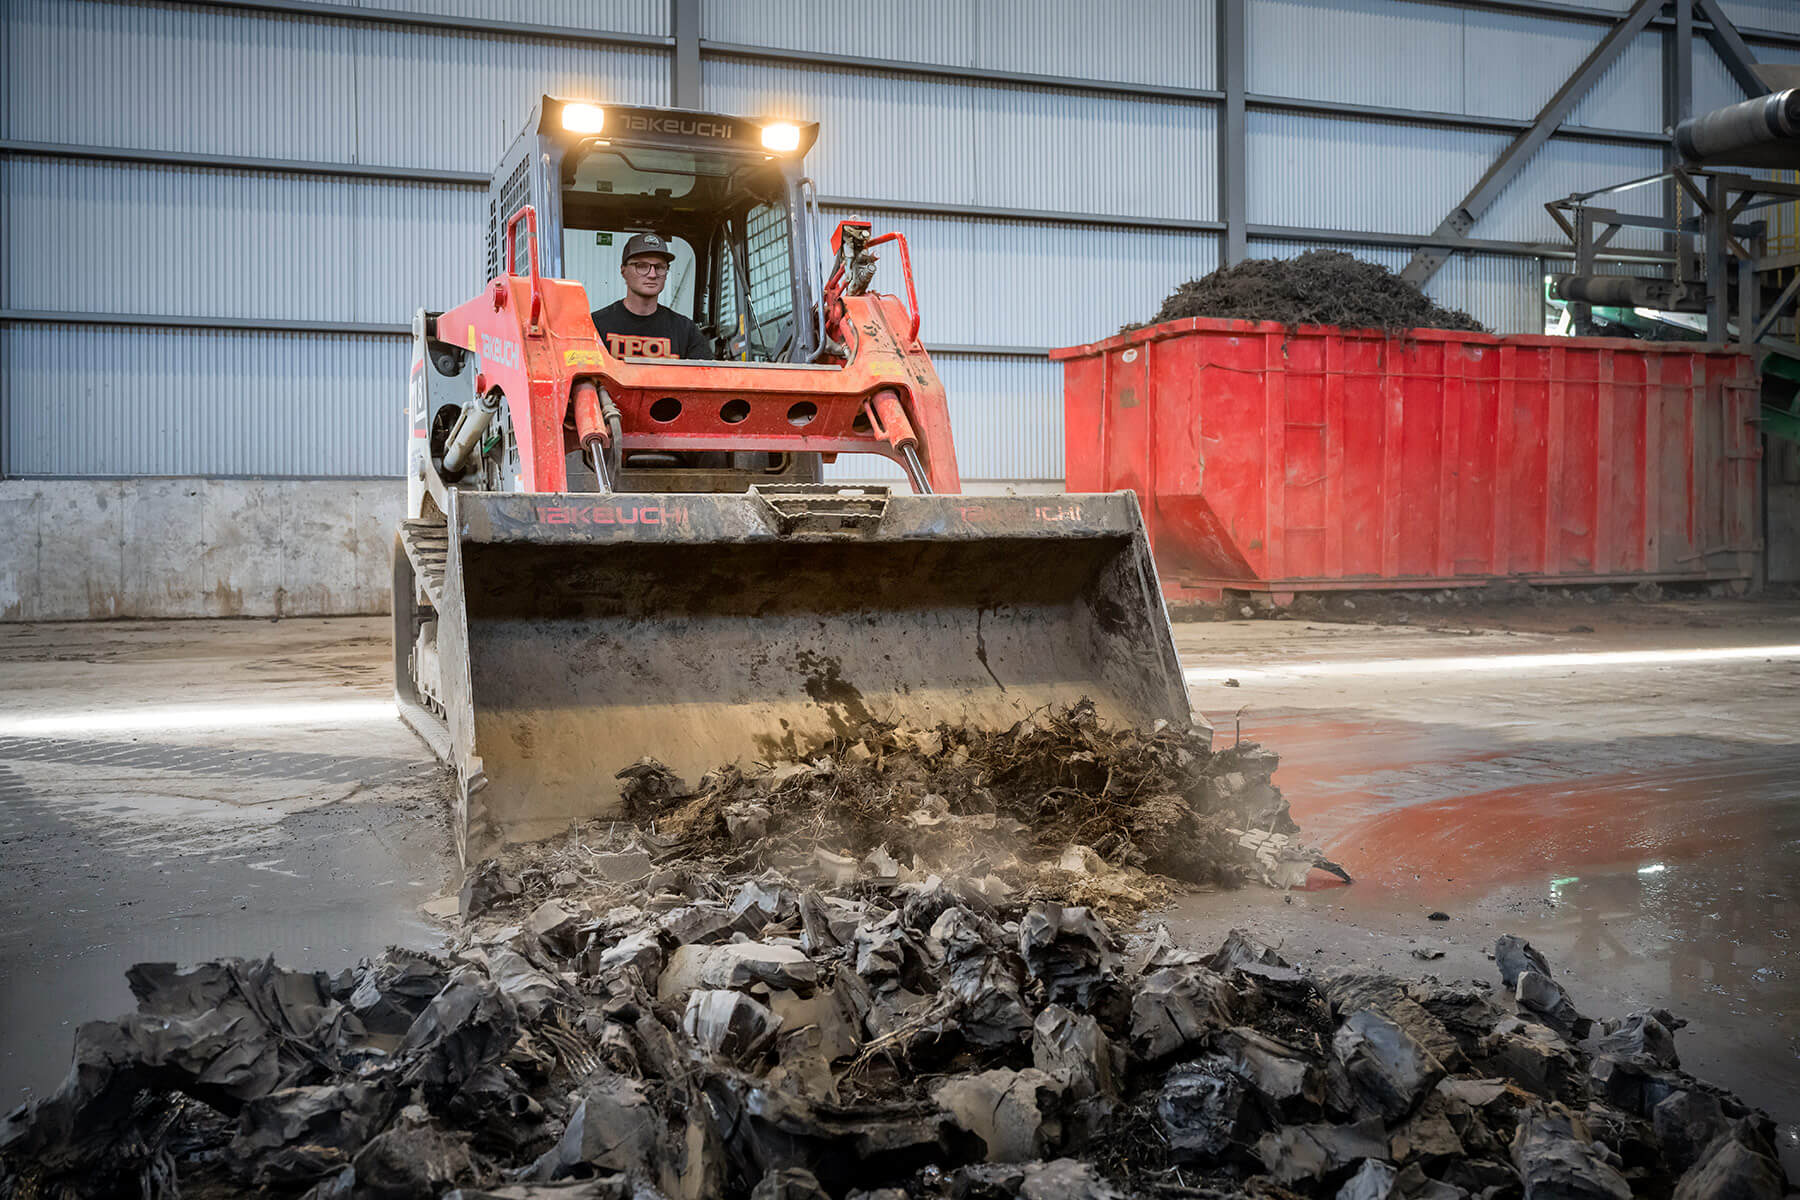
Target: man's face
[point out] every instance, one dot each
(645, 275)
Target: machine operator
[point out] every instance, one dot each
(637, 326)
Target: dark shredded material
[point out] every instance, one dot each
(1320, 287)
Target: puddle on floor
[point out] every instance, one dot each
(1652, 871)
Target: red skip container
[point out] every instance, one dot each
(1277, 460)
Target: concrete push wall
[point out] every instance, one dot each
(84, 549)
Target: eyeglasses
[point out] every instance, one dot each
(649, 268)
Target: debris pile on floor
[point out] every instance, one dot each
(1059, 807)
(863, 978)
(910, 1040)
(1319, 287)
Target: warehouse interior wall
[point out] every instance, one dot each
(208, 271)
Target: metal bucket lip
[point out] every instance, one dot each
(573, 518)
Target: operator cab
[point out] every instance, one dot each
(728, 196)
(726, 193)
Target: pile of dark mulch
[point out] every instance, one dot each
(1319, 287)
(1008, 801)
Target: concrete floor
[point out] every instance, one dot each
(183, 790)
(1638, 822)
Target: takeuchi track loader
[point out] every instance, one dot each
(606, 558)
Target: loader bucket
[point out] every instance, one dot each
(580, 633)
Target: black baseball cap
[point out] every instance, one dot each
(646, 243)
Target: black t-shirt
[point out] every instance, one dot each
(665, 333)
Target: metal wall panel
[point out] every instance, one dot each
(1024, 283)
(929, 31)
(986, 144)
(1048, 149)
(1561, 168)
(192, 242)
(1400, 178)
(456, 100)
(1362, 175)
(165, 78)
(273, 85)
(1780, 15)
(91, 400)
(1513, 64)
(895, 136)
(1502, 292)
(1433, 58)
(1008, 419)
(1162, 42)
(602, 16)
(1628, 94)
(139, 238)
(1356, 51)
(1064, 285)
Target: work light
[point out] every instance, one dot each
(781, 136)
(583, 118)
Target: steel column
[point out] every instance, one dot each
(1581, 312)
(684, 67)
(1678, 106)
(1717, 293)
(1233, 141)
(1746, 304)
(1462, 218)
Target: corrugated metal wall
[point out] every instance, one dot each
(91, 400)
(1007, 415)
(204, 242)
(1163, 42)
(1045, 208)
(197, 243)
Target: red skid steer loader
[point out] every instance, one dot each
(606, 557)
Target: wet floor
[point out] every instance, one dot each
(1654, 871)
(1640, 824)
(157, 804)
(92, 894)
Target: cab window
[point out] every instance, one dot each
(752, 294)
(591, 256)
(725, 217)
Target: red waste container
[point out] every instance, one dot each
(1278, 460)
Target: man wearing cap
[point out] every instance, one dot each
(637, 326)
